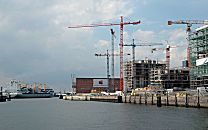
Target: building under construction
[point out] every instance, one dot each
(152, 73)
(138, 75)
(176, 79)
(198, 43)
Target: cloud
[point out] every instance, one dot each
(37, 46)
(102, 44)
(142, 35)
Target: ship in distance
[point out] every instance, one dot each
(31, 93)
(24, 90)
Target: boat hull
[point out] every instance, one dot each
(34, 95)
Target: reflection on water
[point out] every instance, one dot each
(55, 114)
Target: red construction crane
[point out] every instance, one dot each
(121, 24)
(189, 23)
(167, 49)
(108, 74)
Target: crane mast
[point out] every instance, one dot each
(112, 52)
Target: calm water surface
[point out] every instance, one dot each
(55, 114)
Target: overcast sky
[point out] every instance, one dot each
(37, 46)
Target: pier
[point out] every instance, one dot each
(184, 100)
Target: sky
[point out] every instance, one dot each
(37, 47)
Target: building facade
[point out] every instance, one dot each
(88, 85)
(177, 78)
(198, 43)
(138, 75)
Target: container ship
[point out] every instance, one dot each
(25, 91)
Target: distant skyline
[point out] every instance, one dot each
(37, 46)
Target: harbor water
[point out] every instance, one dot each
(55, 114)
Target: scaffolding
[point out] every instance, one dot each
(198, 42)
(141, 74)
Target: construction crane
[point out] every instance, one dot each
(133, 54)
(107, 54)
(121, 24)
(167, 49)
(188, 23)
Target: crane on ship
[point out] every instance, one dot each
(133, 54)
(107, 55)
(188, 23)
(121, 24)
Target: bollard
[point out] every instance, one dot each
(159, 101)
(145, 98)
(125, 99)
(167, 102)
(198, 103)
(176, 101)
(134, 99)
(186, 100)
(140, 99)
(61, 97)
(72, 98)
(130, 99)
(119, 99)
(152, 99)
(85, 98)
(9, 98)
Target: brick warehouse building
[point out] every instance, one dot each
(87, 85)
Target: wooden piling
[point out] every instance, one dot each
(145, 98)
(140, 99)
(167, 102)
(134, 99)
(176, 101)
(130, 99)
(186, 100)
(152, 99)
(159, 101)
(198, 103)
(119, 99)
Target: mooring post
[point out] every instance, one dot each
(176, 101)
(9, 97)
(167, 102)
(152, 99)
(135, 99)
(130, 99)
(186, 100)
(140, 99)
(125, 99)
(119, 99)
(198, 103)
(159, 100)
(145, 98)
(60, 96)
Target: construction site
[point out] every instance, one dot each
(147, 73)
